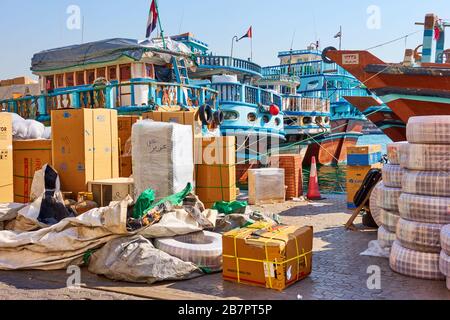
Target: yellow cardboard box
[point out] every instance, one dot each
(6, 159)
(355, 178)
(215, 150)
(364, 149)
(85, 146)
(29, 156)
(273, 258)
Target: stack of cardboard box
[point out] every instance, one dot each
(84, 146)
(125, 124)
(292, 165)
(6, 158)
(215, 171)
(189, 117)
(360, 160)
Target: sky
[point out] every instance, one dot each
(30, 26)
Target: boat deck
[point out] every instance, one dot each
(339, 272)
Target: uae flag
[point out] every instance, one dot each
(152, 19)
(249, 34)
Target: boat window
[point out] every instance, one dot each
(80, 78)
(230, 115)
(125, 72)
(312, 85)
(60, 80)
(266, 119)
(50, 82)
(307, 120)
(70, 80)
(112, 73)
(101, 73)
(90, 76)
(251, 117)
(277, 121)
(150, 72)
(318, 120)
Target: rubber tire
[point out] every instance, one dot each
(445, 239)
(387, 198)
(375, 210)
(428, 183)
(206, 114)
(390, 220)
(324, 55)
(429, 130)
(393, 152)
(425, 157)
(218, 117)
(425, 209)
(405, 261)
(368, 221)
(385, 238)
(392, 175)
(419, 236)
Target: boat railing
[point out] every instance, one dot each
(229, 62)
(302, 104)
(302, 69)
(240, 93)
(136, 93)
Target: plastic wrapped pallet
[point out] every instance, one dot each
(389, 220)
(385, 238)
(429, 130)
(419, 236)
(266, 186)
(424, 208)
(416, 264)
(445, 239)
(425, 157)
(393, 152)
(430, 183)
(387, 198)
(375, 209)
(162, 157)
(392, 175)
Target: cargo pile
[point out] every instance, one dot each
(425, 200)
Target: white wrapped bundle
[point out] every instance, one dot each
(392, 175)
(431, 183)
(419, 236)
(162, 157)
(394, 151)
(375, 210)
(36, 129)
(416, 264)
(429, 130)
(387, 198)
(389, 220)
(444, 264)
(424, 208)
(266, 186)
(47, 133)
(385, 238)
(425, 157)
(445, 239)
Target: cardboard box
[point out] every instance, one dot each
(271, 258)
(126, 166)
(292, 165)
(355, 178)
(105, 191)
(215, 183)
(363, 155)
(85, 146)
(6, 159)
(190, 117)
(29, 156)
(125, 124)
(215, 151)
(364, 149)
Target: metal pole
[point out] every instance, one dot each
(160, 25)
(340, 37)
(232, 45)
(251, 48)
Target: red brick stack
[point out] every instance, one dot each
(292, 165)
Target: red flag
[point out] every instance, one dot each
(437, 33)
(152, 19)
(249, 34)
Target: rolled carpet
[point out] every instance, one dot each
(392, 175)
(429, 130)
(445, 239)
(444, 264)
(393, 152)
(419, 236)
(385, 238)
(387, 198)
(424, 208)
(430, 183)
(415, 264)
(389, 220)
(375, 209)
(425, 157)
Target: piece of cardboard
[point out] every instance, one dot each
(6, 159)
(215, 151)
(85, 146)
(272, 258)
(29, 156)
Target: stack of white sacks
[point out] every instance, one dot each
(425, 202)
(385, 210)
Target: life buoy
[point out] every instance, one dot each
(206, 114)
(324, 55)
(218, 117)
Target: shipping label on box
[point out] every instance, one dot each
(6, 158)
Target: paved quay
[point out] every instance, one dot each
(339, 272)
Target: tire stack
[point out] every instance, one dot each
(387, 194)
(425, 201)
(444, 262)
